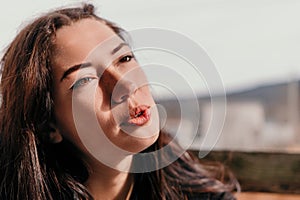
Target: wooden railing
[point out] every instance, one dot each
(268, 174)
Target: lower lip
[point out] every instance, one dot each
(142, 119)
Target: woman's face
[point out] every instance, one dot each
(99, 88)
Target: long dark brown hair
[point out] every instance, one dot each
(33, 168)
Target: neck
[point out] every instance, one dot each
(107, 183)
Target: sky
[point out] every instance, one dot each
(251, 42)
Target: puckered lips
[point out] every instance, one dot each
(139, 115)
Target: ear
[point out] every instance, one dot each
(54, 135)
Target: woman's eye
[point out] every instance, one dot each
(126, 58)
(81, 82)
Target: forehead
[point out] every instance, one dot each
(74, 42)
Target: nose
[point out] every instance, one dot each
(117, 87)
(123, 89)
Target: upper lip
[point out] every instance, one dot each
(138, 111)
(138, 115)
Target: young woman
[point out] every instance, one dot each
(49, 75)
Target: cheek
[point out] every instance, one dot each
(62, 109)
(76, 110)
(91, 110)
(102, 111)
(146, 94)
(64, 117)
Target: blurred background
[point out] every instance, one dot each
(254, 45)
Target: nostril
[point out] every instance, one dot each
(123, 90)
(120, 99)
(124, 98)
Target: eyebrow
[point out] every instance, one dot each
(84, 65)
(74, 68)
(115, 50)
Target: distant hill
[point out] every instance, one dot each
(266, 116)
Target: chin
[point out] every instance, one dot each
(137, 145)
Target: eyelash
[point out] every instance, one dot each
(85, 80)
(81, 82)
(125, 58)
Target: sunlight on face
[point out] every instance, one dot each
(101, 95)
